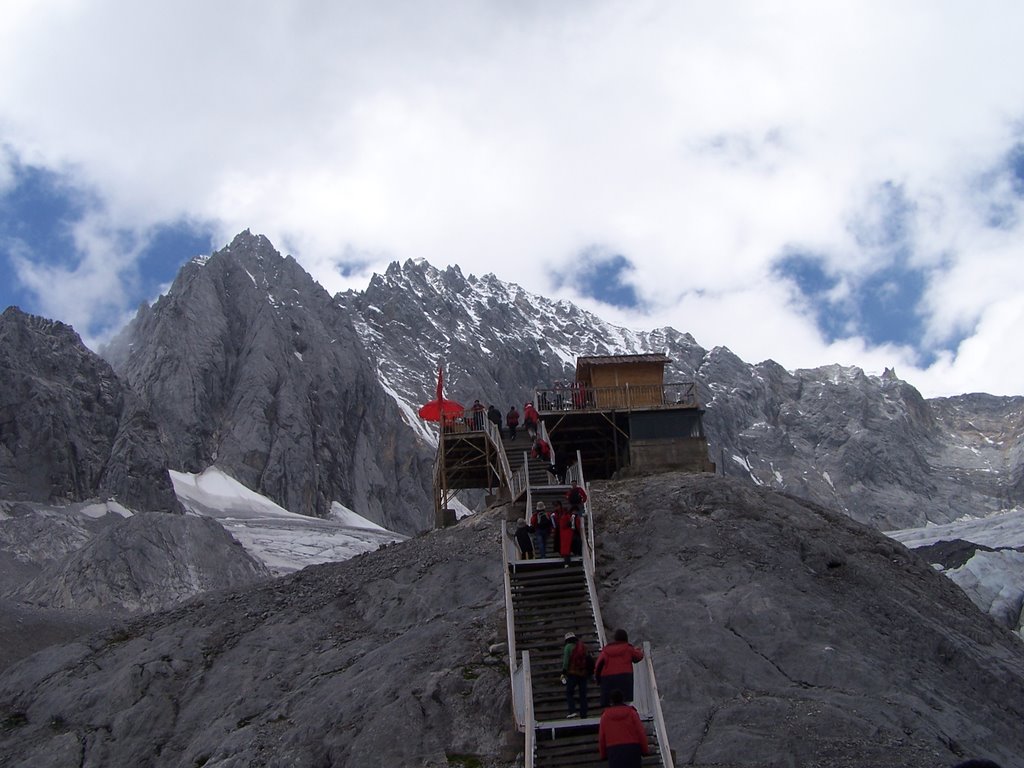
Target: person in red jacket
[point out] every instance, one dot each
(512, 421)
(621, 736)
(530, 418)
(614, 668)
(576, 496)
(541, 450)
(566, 528)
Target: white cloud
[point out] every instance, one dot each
(697, 140)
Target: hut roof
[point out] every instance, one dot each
(583, 363)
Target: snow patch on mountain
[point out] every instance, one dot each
(282, 540)
(993, 580)
(1000, 530)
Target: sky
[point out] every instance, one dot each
(807, 182)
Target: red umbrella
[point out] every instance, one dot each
(436, 409)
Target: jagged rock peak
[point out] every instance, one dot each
(42, 326)
(76, 432)
(251, 365)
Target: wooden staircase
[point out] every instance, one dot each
(550, 600)
(576, 747)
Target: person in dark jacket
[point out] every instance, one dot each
(494, 416)
(476, 416)
(614, 668)
(540, 523)
(621, 737)
(524, 540)
(556, 523)
(559, 469)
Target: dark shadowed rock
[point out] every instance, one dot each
(783, 634)
(69, 429)
(951, 553)
(248, 364)
(27, 629)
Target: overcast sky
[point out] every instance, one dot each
(819, 182)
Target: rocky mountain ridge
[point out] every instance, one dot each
(248, 364)
(70, 429)
(868, 445)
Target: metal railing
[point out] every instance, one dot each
(494, 434)
(526, 484)
(648, 703)
(626, 397)
(518, 704)
(529, 719)
(588, 516)
(595, 606)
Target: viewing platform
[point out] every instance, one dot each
(620, 414)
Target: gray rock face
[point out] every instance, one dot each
(787, 634)
(381, 660)
(497, 341)
(144, 563)
(782, 633)
(69, 429)
(250, 365)
(868, 445)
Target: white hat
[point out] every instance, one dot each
(570, 635)
(540, 505)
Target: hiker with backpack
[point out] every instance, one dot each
(576, 497)
(577, 667)
(540, 524)
(614, 668)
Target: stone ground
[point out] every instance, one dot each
(783, 635)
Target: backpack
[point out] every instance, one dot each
(582, 659)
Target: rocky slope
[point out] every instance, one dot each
(783, 634)
(144, 563)
(69, 428)
(248, 364)
(65, 570)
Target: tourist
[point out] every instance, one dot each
(614, 669)
(575, 673)
(621, 737)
